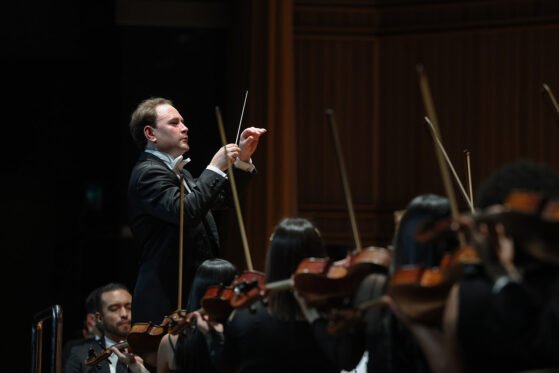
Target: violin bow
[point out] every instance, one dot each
(552, 101)
(234, 192)
(469, 170)
(443, 151)
(181, 239)
(432, 121)
(431, 113)
(178, 170)
(347, 192)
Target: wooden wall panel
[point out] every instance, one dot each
(485, 62)
(334, 74)
(514, 119)
(408, 163)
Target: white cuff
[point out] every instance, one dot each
(217, 171)
(245, 166)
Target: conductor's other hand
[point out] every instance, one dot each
(249, 142)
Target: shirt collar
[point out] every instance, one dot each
(109, 342)
(167, 159)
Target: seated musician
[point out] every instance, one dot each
(187, 351)
(392, 343)
(113, 304)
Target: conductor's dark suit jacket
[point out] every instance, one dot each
(154, 216)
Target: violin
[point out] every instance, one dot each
(219, 301)
(94, 359)
(246, 286)
(216, 302)
(420, 293)
(325, 284)
(178, 321)
(144, 339)
(252, 287)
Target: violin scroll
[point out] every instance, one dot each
(177, 321)
(248, 288)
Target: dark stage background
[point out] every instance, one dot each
(71, 78)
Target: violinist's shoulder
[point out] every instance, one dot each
(78, 353)
(85, 344)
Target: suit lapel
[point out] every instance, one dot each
(189, 179)
(104, 366)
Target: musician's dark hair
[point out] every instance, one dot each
(293, 240)
(422, 211)
(191, 350)
(91, 301)
(112, 286)
(210, 272)
(522, 175)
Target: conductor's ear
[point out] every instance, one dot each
(149, 133)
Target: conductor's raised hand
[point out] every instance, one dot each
(249, 142)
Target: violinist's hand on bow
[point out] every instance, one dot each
(505, 252)
(134, 362)
(223, 161)
(249, 142)
(310, 313)
(495, 243)
(205, 325)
